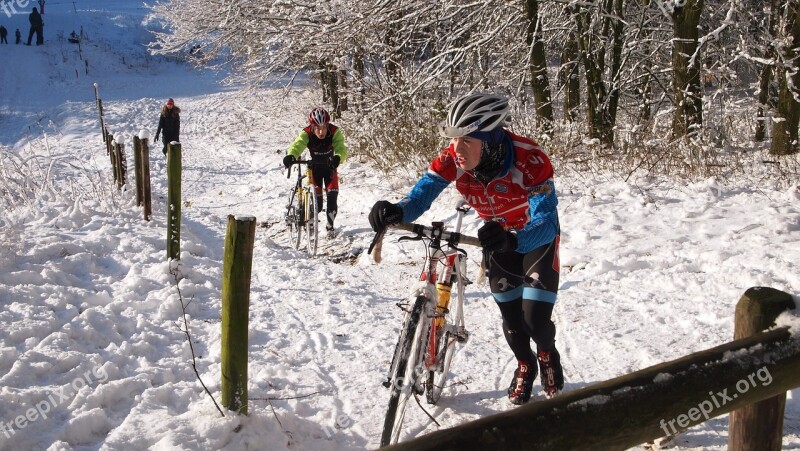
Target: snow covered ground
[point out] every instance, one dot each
(92, 334)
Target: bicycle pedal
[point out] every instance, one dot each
(462, 336)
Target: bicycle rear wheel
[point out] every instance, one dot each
(407, 371)
(312, 224)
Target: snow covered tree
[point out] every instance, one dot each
(645, 65)
(538, 67)
(686, 84)
(787, 116)
(599, 28)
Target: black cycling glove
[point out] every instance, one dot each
(494, 238)
(384, 214)
(334, 161)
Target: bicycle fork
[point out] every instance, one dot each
(423, 290)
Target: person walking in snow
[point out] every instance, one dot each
(3, 35)
(169, 124)
(325, 143)
(508, 180)
(37, 26)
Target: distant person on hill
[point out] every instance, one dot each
(3, 35)
(170, 123)
(37, 26)
(325, 143)
(18, 34)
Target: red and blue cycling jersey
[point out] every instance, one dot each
(521, 197)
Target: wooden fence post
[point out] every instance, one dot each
(137, 169)
(236, 269)
(146, 193)
(100, 109)
(110, 149)
(758, 426)
(174, 200)
(121, 165)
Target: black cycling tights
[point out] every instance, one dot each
(526, 320)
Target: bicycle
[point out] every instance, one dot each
(431, 328)
(301, 212)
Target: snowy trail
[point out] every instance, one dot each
(326, 329)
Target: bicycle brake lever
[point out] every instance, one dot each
(410, 238)
(459, 250)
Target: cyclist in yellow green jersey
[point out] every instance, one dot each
(325, 143)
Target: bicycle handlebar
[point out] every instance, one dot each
(451, 238)
(295, 162)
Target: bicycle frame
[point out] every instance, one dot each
(298, 186)
(305, 216)
(436, 285)
(443, 284)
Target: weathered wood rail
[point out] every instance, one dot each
(648, 404)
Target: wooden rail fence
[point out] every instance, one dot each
(654, 402)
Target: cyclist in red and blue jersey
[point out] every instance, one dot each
(325, 143)
(508, 180)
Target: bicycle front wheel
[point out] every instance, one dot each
(312, 222)
(408, 369)
(445, 350)
(293, 219)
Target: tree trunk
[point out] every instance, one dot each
(763, 101)
(342, 104)
(784, 132)
(601, 122)
(359, 72)
(617, 26)
(538, 69)
(329, 77)
(570, 78)
(687, 119)
(765, 78)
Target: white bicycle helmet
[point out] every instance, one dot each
(474, 113)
